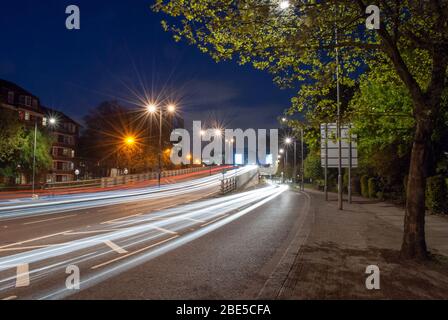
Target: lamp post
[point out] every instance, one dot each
(52, 122)
(171, 109)
(151, 108)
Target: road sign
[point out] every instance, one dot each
(329, 149)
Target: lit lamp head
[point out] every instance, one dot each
(129, 140)
(151, 108)
(52, 121)
(284, 4)
(218, 132)
(282, 151)
(171, 108)
(288, 140)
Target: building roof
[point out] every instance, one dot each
(59, 114)
(15, 87)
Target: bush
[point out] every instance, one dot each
(373, 188)
(364, 186)
(436, 194)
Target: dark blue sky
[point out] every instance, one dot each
(120, 52)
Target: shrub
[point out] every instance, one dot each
(436, 194)
(364, 186)
(373, 188)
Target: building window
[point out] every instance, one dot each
(44, 121)
(11, 97)
(27, 116)
(34, 103)
(28, 101)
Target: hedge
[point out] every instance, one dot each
(436, 194)
(373, 188)
(364, 186)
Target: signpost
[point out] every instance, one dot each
(330, 152)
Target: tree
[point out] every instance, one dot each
(296, 45)
(104, 140)
(17, 147)
(44, 161)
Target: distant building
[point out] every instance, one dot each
(65, 132)
(64, 150)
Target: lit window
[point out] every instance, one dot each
(27, 116)
(44, 121)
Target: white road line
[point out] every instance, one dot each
(34, 239)
(10, 298)
(23, 275)
(118, 219)
(72, 233)
(114, 247)
(132, 253)
(162, 229)
(39, 221)
(28, 247)
(194, 220)
(214, 220)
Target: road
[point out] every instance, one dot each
(182, 246)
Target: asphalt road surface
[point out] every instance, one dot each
(192, 245)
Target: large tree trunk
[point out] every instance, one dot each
(414, 244)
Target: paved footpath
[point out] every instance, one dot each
(336, 246)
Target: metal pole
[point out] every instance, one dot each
(303, 162)
(338, 129)
(34, 155)
(326, 162)
(286, 161)
(349, 165)
(160, 147)
(295, 161)
(150, 136)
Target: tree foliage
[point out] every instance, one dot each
(296, 46)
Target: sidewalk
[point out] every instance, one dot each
(339, 245)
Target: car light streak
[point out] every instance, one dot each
(168, 246)
(176, 219)
(116, 197)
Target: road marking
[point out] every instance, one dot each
(23, 275)
(114, 247)
(58, 218)
(162, 229)
(118, 219)
(28, 247)
(72, 233)
(132, 253)
(214, 220)
(10, 298)
(194, 220)
(34, 239)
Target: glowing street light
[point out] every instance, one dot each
(170, 108)
(53, 122)
(288, 140)
(151, 108)
(284, 4)
(129, 140)
(282, 151)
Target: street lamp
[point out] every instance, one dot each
(129, 140)
(52, 122)
(171, 108)
(284, 5)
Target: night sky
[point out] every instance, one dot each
(120, 53)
